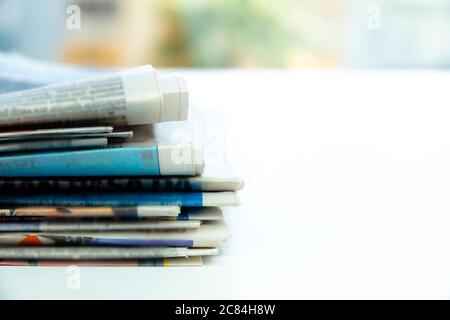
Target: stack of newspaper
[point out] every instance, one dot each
(82, 183)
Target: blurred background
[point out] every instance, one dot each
(231, 33)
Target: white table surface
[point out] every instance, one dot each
(347, 192)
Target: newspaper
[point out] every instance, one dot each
(59, 138)
(113, 199)
(52, 133)
(133, 203)
(111, 135)
(209, 235)
(127, 213)
(152, 213)
(157, 262)
(127, 97)
(50, 226)
(168, 160)
(54, 144)
(93, 253)
(75, 184)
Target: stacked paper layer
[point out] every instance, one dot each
(82, 183)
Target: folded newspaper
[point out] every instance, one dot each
(84, 179)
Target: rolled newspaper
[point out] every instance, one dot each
(126, 97)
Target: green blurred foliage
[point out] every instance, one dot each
(230, 33)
